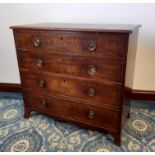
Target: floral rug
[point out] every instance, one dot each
(42, 133)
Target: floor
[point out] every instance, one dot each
(44, 134)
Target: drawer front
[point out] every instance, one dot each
(99, 70)
(101, 45)
(97, 94)
(63, 108)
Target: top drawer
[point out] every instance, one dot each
(89, 44)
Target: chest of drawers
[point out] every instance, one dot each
(77, 73)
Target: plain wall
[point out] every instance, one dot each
(15, 14)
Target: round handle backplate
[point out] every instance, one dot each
(91, 70)
(42, 83)
(91, 114)
(91, 92)
(36, 42)
(92, 46)
(39, 62)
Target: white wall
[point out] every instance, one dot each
(14, 14)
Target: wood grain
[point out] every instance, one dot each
(74, 110)
(105, 69)
(78, 73)
(104, 94)
(107, 45)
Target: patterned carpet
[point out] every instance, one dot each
(41, 133)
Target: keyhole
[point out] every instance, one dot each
(64, 80)
(61, 38)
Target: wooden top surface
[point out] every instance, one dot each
(119, 28)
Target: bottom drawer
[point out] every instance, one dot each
(74, 111)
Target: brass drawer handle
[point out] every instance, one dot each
(92, 46)
(36, 42)
(91, 69)
(91, 115)
(43, 102)
(41, 83)
(91, 92)
(39, 62)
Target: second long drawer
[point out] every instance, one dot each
(105, 70)
(92, 92)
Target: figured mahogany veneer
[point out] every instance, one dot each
(78, 73)
(73, 43)
(82, 89)
(74, 110)
(105, 70)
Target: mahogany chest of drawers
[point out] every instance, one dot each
(77, 73)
